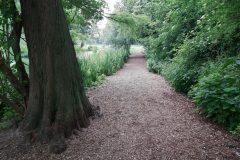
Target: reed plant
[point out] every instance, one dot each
(94, 67)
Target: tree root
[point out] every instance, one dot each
(58, 146)
(97, 112)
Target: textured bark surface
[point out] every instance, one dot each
(57, 101)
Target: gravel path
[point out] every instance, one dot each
(144, 119)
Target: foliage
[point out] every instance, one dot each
(78, 33)
(82, 11)
(236, 130)
(8, 115)
(216, 97)
(5, 125)
(189, 42)
(124, 28)
(218, 94)
(118, 37)
(94, 67)
(89, 48)
(154, 66)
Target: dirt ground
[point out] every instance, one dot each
(143, 119)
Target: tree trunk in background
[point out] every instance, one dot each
(57, 100)
(82, 44)
(16, 33)
(22, 74)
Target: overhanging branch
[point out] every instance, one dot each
(13, 105)
(7, 72)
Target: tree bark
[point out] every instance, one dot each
(16, 33)
(21, 70)
(82, 44)
(57, 100)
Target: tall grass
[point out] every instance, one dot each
(99, 64)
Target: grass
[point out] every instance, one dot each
(99, 64)
(98, 46)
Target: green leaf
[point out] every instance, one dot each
(233, 109)
(225, 107)
(232, 81)
(214, 119)
(209, 115)
(227, 62)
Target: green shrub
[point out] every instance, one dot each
(183, 81)
(89, 48)
(5, 125)
(236, 130)
(153, 66)
(8, 115)
(181, 73)
(219, 98)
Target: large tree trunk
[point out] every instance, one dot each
(57, 100)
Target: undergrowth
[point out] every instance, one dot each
(8, 114)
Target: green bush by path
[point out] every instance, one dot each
(218, 92)
(96, 66)
(219, 99)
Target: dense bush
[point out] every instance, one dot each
(8, 115)
(218, 98)
(218, 93)
(153, 66)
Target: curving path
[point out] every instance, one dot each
(144, 119)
